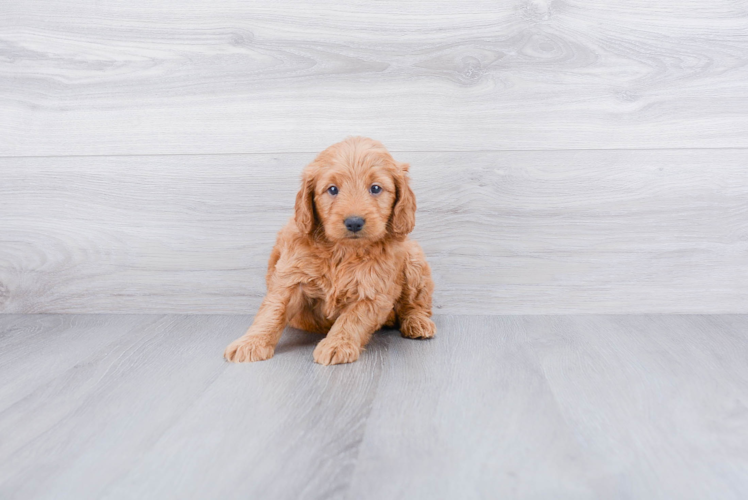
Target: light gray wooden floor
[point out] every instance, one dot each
(107, 406)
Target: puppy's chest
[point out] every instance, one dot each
(341, 281)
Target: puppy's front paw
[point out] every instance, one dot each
(250, 348)
(418, 327)
(331, 351)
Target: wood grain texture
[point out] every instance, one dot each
(563, 407)
(505, 232)
(46, 336)
(134, 395)
(516, 406)
(104, 78)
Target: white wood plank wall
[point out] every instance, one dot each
(568, 157)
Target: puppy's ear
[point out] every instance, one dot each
(305, 217)
(404, 211)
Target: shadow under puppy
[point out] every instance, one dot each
(343, 265)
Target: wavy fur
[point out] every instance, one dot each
(325, 279)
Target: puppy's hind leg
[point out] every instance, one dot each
(414, 306)
(310, 319)
(391, 321)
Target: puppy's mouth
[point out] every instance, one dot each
(357, 236)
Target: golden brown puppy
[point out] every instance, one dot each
(344, 265)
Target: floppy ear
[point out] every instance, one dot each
(404, 211)
(306, 219)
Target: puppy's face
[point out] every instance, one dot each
(354, 202)
(357, 193)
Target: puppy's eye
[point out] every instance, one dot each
(333, 190)
(375, 189)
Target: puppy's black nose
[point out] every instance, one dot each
(354, 224)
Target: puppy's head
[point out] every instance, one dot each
(355, 192)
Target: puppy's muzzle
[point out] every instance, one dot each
(354, 224)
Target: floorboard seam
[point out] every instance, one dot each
(384, 362)
(425, 151)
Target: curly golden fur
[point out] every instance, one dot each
(343, 265)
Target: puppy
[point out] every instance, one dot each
(343, 265)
